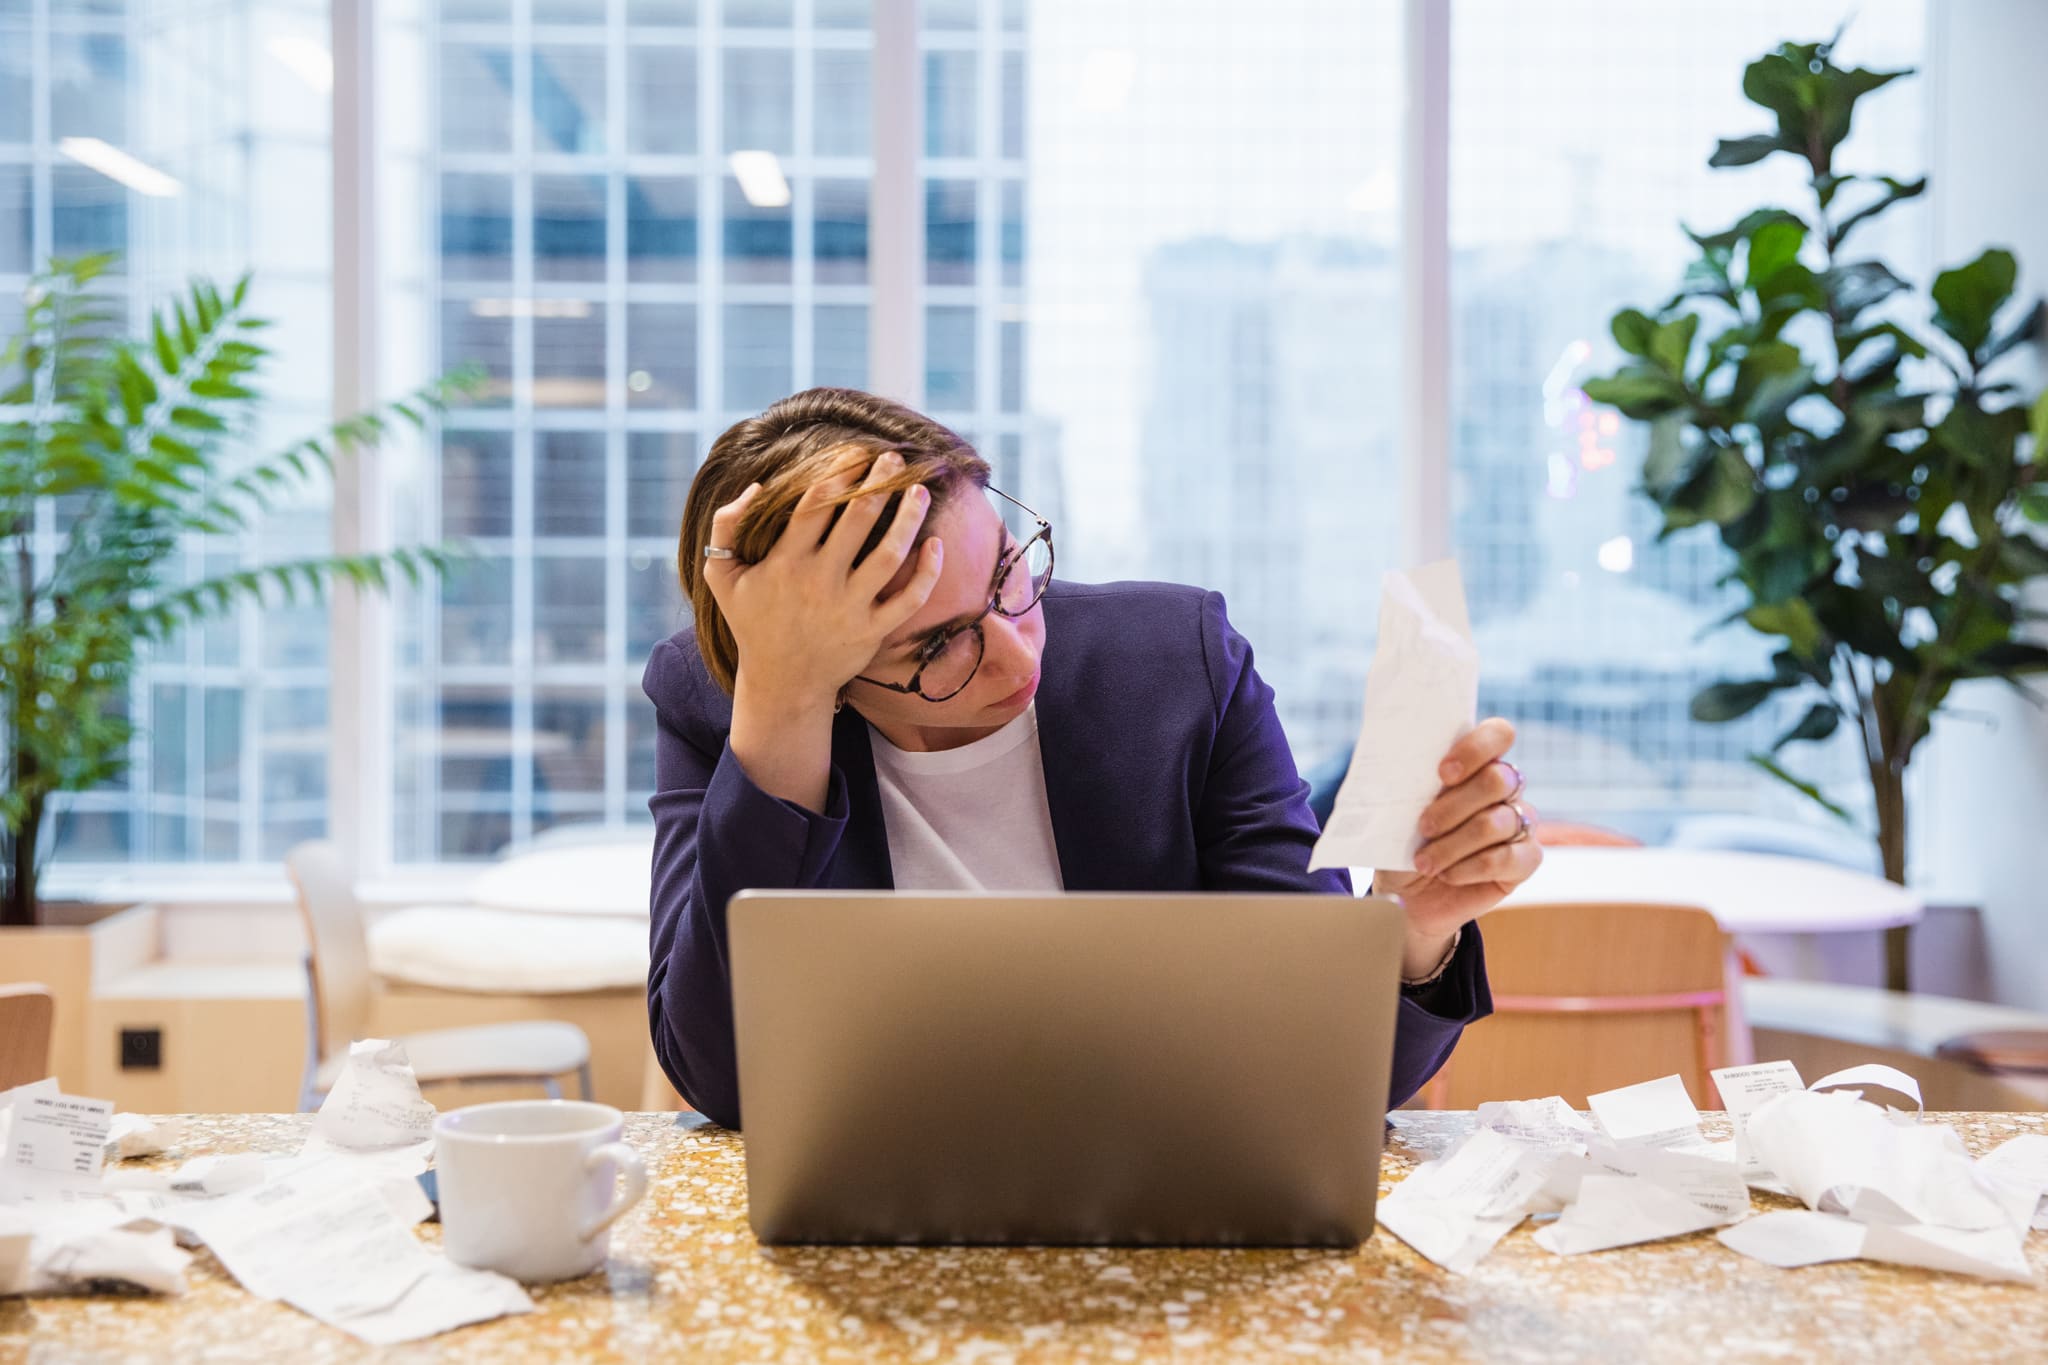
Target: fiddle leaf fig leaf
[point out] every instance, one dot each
(1721, 702)
(1820, 721)
(1968, 297)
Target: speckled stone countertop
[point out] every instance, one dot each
(687, 1281)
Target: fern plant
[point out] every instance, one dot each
(134, 446)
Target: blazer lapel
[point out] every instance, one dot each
(864, 848)
(1078, 795)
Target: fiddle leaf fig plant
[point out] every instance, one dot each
(114, 453)
(1873, 471)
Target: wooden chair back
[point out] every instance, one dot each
(28, 1013)
(338, 956)
(1574, 834)
(1590, 997)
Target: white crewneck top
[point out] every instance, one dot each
(973, 818)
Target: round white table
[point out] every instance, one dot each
(610, 877)
(1749, 893)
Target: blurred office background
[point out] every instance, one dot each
(1151, 259)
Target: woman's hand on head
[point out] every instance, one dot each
(1477, 847)
(804, 618)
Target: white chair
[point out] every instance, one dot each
(338, 1003)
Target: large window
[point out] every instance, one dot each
(1158, 279)
(645, 222)
(191, 138)
(1213, 352)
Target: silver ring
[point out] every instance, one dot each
(1521, 782)
(718, 552)
(1521, 814)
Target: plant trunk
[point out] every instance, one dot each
(20, 910)
(1890, 790)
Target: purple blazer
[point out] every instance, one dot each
(1165, 770)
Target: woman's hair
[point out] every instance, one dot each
(788, 448)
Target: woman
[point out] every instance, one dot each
(885, 688)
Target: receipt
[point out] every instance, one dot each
(1546, 1122)
(446, 1297)
(316, 1243)
(1744, 1089)
(16, 1233)
(54, 1142)
(312, 1239)
(1791, 1238)
(68, 1258)
(2022, 1163)
(376, 1101)
(1714, 1184)
(1838, 1154)
(1455, 1209)
(1655, 1113)
(1987, 1253)
(203, 1177)
(1421, 695)
(1619, 1211)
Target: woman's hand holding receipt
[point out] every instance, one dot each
(1428, 790)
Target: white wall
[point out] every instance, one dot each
(1984, 810)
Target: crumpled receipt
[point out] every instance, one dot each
(1880, 1184)
(1421, 695)
(375, 1103)
(60, 1232)
(1643, 1175)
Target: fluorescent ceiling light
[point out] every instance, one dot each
(1617, 555)
(529, 308)
(760, 177)
(305, 59)
(116, 164)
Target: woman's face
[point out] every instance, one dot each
(1003, 686)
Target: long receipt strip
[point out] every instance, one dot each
(1879, 1183)
(1422, 694)
(327, 1231)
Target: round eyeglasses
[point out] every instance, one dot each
(947, 661)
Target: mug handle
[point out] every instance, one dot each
(626, 1162)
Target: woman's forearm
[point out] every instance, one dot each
(783, 741)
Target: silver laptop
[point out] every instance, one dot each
(1166, 1070)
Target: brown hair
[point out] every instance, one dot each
(788, 448)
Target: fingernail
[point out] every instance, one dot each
(922, 494)
(1452, 772)
(1426, 866)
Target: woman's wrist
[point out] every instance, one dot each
(783, 740)
(768, 695)
(1425, 957)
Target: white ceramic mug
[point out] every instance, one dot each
(530, 1188)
